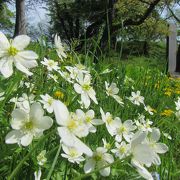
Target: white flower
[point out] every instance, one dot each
(37, 175)
(99, 159)
(23, 102)
(167, 135)
(59, 47)
(28, 125)
(47, 101)
(157, 148)
(53, 76)
(124, 130)
(149, 109)
(66, 76)
(2, 96)
(136, 98)
(178, 104)
(140, 151)
(12, 52)
(41, 158)
(71, 128)
(88, 119)
(106, 145)
(142, 170)
(122, 150)
(112, 90)
(75, 71)
(109, 121)
(72, 154)
(85, 90)
(143, 124)
(51, 65)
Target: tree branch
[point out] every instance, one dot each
(131, 22)
(173, 14)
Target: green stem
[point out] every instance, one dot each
(54, 163)
(15, 171)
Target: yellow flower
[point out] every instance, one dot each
(167, 112)
(177, 91)
(168, 93)
(59, 94)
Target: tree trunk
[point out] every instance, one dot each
(178, 60)
(20, 26)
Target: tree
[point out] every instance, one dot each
(86, 19)
(20, 25)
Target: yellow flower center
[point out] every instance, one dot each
(122, 150)
(73, 153)
(28, 125)
(108, 146)
(97, 157)
(86, 87)
(122, 129)
(109, 91)
(109, 119)
(72, 124)
(12, 51)
(50, 101)
(51, 63)
(88, 119)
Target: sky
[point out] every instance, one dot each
(34, 15)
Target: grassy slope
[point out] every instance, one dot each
(149, 77)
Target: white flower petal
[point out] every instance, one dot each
(20, 42)
(6, 67)
(97, 122)
(89, 166)
(78, 88)
(19, 116)
(105, 172)
(108, 158)
(28, 63)
(44, 123)
(36, 112)
(29, 55)
(143, 154)
(13, 137)
(26, 139)
(92, 95)
(141, 170)
(85, 99)
(155, 134)
(161, 148)
(61, 112)
(83, 148)
(4, 43)
(138, 138)
(66, 136)
(22, 68)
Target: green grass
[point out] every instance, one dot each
(149, 77)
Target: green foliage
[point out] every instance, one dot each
(5, 17)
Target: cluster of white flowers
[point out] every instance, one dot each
(136, 139)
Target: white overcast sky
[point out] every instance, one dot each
(34, 15)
